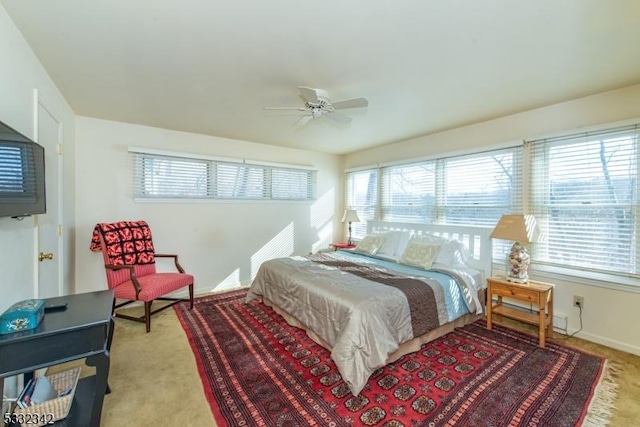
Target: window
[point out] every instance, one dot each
(477, 189)
(175, 177)
(584, 194)
(408, 192)
(362, 195)
(583, 190)
(473, 189)
(162, 175)
(292, 184)
(239, 181)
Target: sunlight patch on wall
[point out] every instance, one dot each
(280, 246)
(321, 216)
(229, 282)
(323, 210)
(325, 234)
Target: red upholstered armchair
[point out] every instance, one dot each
(129, 260)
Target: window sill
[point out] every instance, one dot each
(195, 200)
(589, 278)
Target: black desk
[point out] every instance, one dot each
(84, 329)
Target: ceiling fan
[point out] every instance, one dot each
(318, 104)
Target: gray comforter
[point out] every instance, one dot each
(362, 311)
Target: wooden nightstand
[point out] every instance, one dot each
(341, 245)
(539, 293)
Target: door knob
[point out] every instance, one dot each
(45, 255)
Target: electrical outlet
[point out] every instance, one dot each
(578, 301)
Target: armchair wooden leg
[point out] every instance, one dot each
(191, 296)
(147, 314)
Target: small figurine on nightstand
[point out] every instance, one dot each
(518, 264)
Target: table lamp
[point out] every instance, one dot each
(350, 215)
(522, 229)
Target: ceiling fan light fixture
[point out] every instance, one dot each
(318, 104)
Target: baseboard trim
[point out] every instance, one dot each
(607, 342)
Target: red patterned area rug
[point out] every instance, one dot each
(257, 370)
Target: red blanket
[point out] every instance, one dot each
(127, 242)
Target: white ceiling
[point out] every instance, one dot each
(210, 66)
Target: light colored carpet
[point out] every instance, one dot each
(154, 378)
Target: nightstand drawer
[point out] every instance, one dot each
(518, 292)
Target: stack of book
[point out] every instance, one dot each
(36, 391)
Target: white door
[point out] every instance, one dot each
(50, 254)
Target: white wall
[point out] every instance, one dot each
(608, 313)
(220, 243)
(20, 74)
(607, 107)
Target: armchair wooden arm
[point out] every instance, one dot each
(132, 275)
(175, 260)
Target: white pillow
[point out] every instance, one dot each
(370, 244)
(390, 245)
(420, 253)
(402, 243)
(453, 253)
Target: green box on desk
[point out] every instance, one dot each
(22, 316)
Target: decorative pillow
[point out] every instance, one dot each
(419, 253)
(428, 238)
(370, 244)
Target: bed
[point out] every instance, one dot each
(404, 285)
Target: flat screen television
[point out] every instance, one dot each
(22, 180)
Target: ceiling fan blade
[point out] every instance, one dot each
(303, 120)
(350, 103)
(286, 108)
(309, 94)
(340, 118)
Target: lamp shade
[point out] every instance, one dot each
(350, 215)
(517, 227)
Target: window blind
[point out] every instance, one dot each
(473, 189)
(408, 192)
(240, 181)
(584, 194)
(362, 195)
(478, 189)
(158, 175)
(292, 184)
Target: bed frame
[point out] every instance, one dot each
(477, 239)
